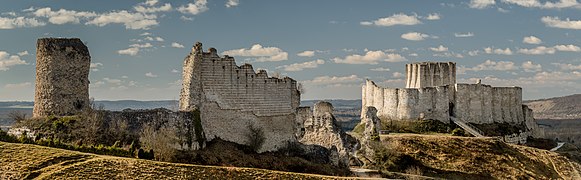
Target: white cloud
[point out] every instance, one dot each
(473, 53)
(567, 66)
(538, 50)
(196, 8)
(23, 53)
(532, 40)
(556, 22)
(490, 65)
(302, 66)
(413, 54)
(151, 75)
(481, 4)
(145, 34)
(7, 61)
(370, 57)
(184, 18)
(531, 67)
(113, 81)
(550, 50)
(380, 69)
(449, 54)
(547, 5)
(262, 54)
(569, 48)
(143, 9)
(232, 3)
(439, 49)
(396, 19)
(130, 20)
(96, 66)
(175, 71)
(177, 45)
(19, 85)
(490, 50)
(414, 36)
(146, 45)
(397, 75)
(433, 16)
(63, 16)
(159, 39)
(19, 22)
(328, 80)
(132, 51)
(468, 34)
(306, 54)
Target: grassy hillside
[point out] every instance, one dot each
(24, 161)
(566, 107)
(475, 158)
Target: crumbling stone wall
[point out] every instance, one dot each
(407, 103)
(231, 98)
(432, 93)
(322, 129)
(62, 77)
(209, 77)
(479, 103)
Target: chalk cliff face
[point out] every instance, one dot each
(232, 98)
(432, 93)
(62, 77)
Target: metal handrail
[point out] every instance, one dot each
(469, 126)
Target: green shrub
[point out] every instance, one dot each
(458, 132)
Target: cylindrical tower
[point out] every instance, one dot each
(62, 77)
(430, 74)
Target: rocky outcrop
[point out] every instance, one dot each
(322, 129)
(370, 136)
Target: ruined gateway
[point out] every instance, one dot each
(432, 93)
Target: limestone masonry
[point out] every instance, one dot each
(62, 77)
(432, 93)
(231, 98)
(321, 129)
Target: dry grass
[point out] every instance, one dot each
(480, 158)
(24, 161)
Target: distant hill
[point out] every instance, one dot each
(566, 107)
(337, 103)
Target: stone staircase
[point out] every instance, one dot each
(467, 127)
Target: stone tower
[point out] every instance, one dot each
(430, 74)
(62, 77)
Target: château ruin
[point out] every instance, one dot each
(219, 99)
(432, 93)
(62, 77)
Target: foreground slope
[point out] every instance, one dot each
(24, 161)
(479, 158)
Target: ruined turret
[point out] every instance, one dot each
(62, 77)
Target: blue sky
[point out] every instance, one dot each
(138, 47)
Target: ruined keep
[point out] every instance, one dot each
(231, 98)
(62, 77)
(432, 93)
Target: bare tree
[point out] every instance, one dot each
(17, 116)
(162, 141)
